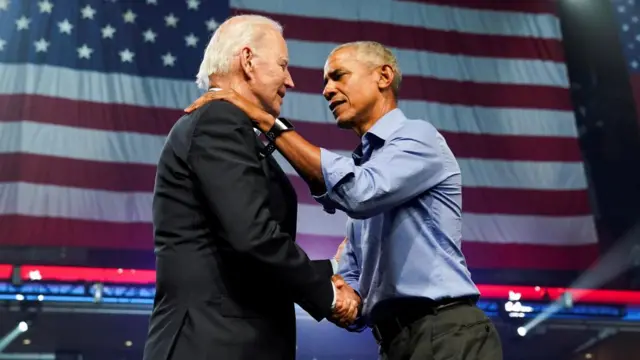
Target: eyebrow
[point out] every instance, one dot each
(333, 73)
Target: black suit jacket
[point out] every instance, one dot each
(228, 269)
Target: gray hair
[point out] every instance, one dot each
(375, 54)
(228, 40)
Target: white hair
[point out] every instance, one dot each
(228, 40)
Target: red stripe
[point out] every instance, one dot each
(119, 118)
(502, 201)
(526, 256)
(40, 169)
(33, 231)
(140, 178)
(488, 255)
(528, 6)
(45, 231)
(458, 92)
(417, 38)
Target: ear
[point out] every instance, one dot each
(386, 77)
(246, 61)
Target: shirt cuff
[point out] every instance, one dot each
(333, 303)
(334, 168)
(334, 265)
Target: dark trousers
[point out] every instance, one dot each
(462, 332)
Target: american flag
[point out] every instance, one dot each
(627, 15)
(90, 88)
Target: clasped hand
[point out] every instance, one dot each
(347, 303)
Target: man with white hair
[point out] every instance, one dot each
(402, 191)
(224, 215)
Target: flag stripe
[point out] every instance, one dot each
(127, 147)
(127, 177)
(173, 94)
(134, 207)
(33, 231)
(458, 92)
(531, 6)
(91, 115)
(502, 201)
(412, 14)
(409, 37)
(458, 67)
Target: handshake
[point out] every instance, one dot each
(347, 303)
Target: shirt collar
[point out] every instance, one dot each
(387, 124)
(378, 133)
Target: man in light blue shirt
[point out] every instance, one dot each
(402, 192)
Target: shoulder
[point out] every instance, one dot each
(417, 128)
(220, 113)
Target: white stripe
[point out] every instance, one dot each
(539, 175)
(452, 118)
(123, 147)
(177, 94)
(72, 203)
(312, 55)
(412, 14)
(78, 143)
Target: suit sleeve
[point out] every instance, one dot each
(323, 268)
(225, 162)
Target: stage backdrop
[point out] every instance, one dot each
(90, 88)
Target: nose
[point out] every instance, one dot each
(288, 81)
(329, 91)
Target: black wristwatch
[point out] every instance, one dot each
(279, 126)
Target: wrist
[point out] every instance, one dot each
(266, 123)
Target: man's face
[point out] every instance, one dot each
(270, 77)
(351, 88)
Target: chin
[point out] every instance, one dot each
(275, 111)
(344, 123)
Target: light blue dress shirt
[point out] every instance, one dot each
(402, 191)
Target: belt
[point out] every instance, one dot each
(389, 326)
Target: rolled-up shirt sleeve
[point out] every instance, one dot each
(403, 168)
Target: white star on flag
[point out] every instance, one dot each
(23, 23)
(126, 55)
(4, 4)
(212, 24)
(65, 27)
(84, 52)
(193, 4)
(171, 20)
(45, 6)
(2, 44)
(168, 59)
(149, 36)
(129, 16)
(41, 45)
(191, 40)
(108, 31)
(87, 12)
